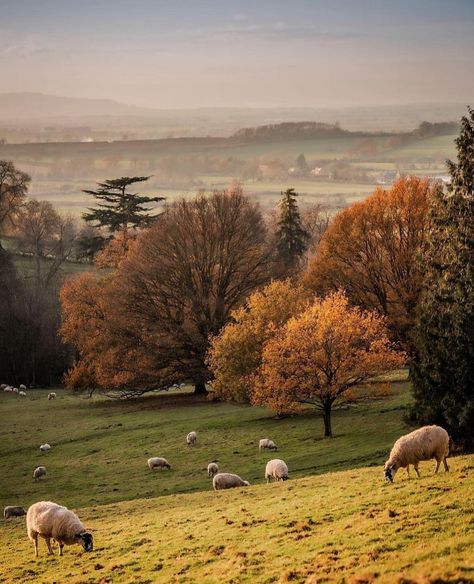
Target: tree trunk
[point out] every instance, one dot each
(327, 421)
(200, 388)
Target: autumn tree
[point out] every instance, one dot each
(117, 208)
(291, 237)
(322, 357)
(370, 250)
(235, 354)
(443, 367)
(177, 286)
(13, 189)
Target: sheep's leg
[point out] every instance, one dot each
(35, 540)
(50, 549)
(445, 462)
(60, 545)
(438, 462)
(408, 471)
(268, 480)
(415, 466)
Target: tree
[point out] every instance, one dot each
(178, 285)
(291, 237)
(13, 190)
(89, 243)
(443, 366)
(323, 356)
(370, 250)
(235, 354)
(118, 209)
(301, 164)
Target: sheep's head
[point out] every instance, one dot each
(85, 539)
(389, 471)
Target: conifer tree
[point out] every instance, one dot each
(291, 238)
(443, 367)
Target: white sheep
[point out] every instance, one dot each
(52, 521)
(22, 393)
(13, 511)
(45, 447)
(52, 395)
(158, 462)
(277, 470)
(212, 469)
(191, 438)
(8, 389)
(423, 444)
(23, 387)
(16, 390)
(39, 472)
(2, 386)
(267, 444)
(227, 480)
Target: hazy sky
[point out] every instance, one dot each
(187, 53)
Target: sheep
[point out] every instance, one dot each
(22, 393)
(423, 444)
(158, 462)
(8, 388)
(16, 390)
(212, 469)
(266, 443)
(23, 387)
(50, 520)
(52, 395)
(2, 386)
(45, 447)
(227, 480)
(191, 438)
(13, 511)
(277, 470)
(39, 472)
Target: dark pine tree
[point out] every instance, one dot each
(443, 366)
(119, 210)
(291, 238)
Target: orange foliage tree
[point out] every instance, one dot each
(371, 250)
(323, 356)
(235, 354)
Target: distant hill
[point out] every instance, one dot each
(38, 105)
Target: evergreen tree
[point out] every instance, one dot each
(119, 210)
(443, 367)
(291, 238)
(301, 164)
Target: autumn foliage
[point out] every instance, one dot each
(322, 357)
(371, 251)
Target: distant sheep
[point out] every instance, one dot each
(2, 386)
(8, 389)
(39, 472)
(212, 469)
(158, 462)
(16, 390)
(23, 387)
(277, 470)
(22, 393)
(423, 444)
(191, 438)
(45, 447)
(52, 395)
(227, 480)
(267, 444)
(52, 521)
(13, 511)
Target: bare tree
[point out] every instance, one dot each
(13, 189)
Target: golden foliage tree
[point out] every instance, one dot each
(235, 354)
(371, 249)
(323, 356)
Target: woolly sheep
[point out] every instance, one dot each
(227, 480)
(266, 443)
(423, 444)
(277, 470)
(191, 438)
(39, 472)
(23, 393)
(52, 395)
(23, 387)
(52, 521)
(8, 388)
(45, 447)
(13, 511)
(16, 390)
(3, 385)
(158, 462)
(212, 469)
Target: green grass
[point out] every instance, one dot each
(334, 519)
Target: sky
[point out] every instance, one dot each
(257, 53)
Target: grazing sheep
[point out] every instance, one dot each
(13, 511)
(8, 388)
(212, 469)
(3, 385)
(277, 470)
(16, 390)
(52, 395)
(227, 480)
(23, 387)
(157, 462)
(267, 444)
(191, 438)
(423, 444)
(39, 472)
(23, 393)
(52, 521)
(45, 447)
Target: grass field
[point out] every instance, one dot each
(335, 520)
